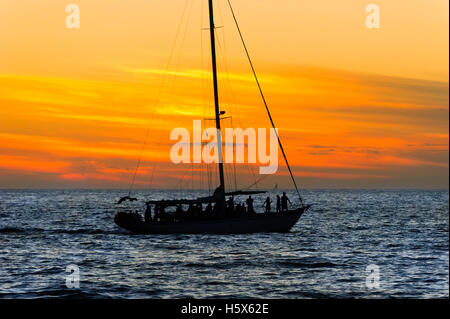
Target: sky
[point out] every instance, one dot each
(355, 107)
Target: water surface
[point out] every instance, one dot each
(403, 233)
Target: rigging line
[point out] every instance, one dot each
(229, 88)
(255, 183)
(191, 183)
(205, 98)
(202, 81)
(157, 99)
(155, 163)
(264, 100)
(192, 175)
(234, 166)
(249, 168)
(184, 36)
(207, 111)
(224, 145)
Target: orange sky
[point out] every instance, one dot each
(355, 107)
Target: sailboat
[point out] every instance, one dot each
(225, 217)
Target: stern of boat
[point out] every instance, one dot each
(127, 220)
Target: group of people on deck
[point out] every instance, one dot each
(282, 204)
(241, 209)
(195, 211)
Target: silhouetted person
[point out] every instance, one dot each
(208, 210)
(163, 216)
(148, 214)
(198, 210)
(157, 216)
(278, 204)
(249, 202)
(231, 203)
(267, 205)
(284, 202)
(238, 209)
(218, 210)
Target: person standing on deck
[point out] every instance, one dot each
(157, 217)
(278, 204)
(148, 214)
(208, 210)
(268, 202)
(179, 212)
(238, 209)
(198, 210)
(231, 204)
(250, 205)
(284, 202)
(190, 210)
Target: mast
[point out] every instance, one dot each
(216, 96)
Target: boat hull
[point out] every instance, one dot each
(257, 223)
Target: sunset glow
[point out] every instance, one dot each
(354, 107)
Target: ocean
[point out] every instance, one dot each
(351, 244)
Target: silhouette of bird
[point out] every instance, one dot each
(131, 199)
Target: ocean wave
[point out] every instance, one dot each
(11, 230)
(64, 293)
(87, 231)
(306, 263)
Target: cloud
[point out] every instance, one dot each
(359, 129)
